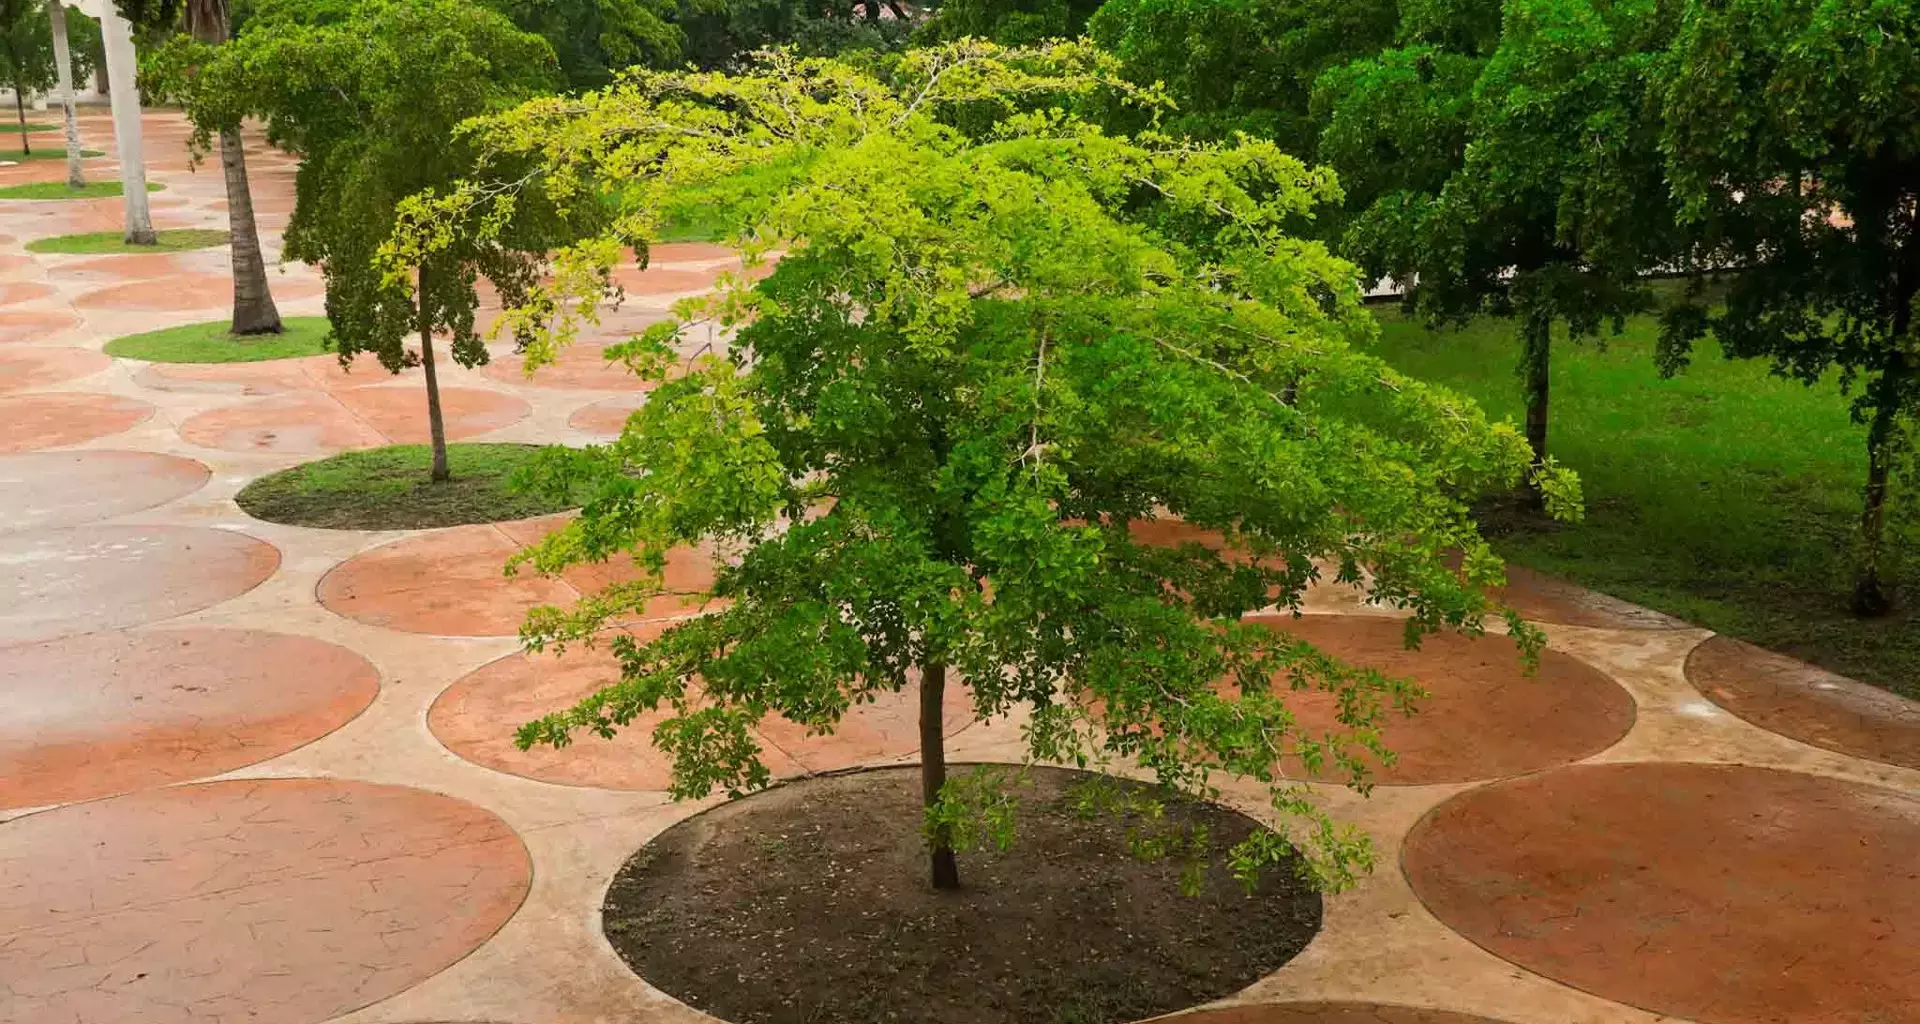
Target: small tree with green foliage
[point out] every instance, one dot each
(978, 361)
(1525, 181)
(1792, 135)
(26, 56)
(370, 102)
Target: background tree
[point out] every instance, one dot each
(1009, 22)
(116, 44)
(254, 311)
(1525, 181)
(979, 360)
(370, 103)
(64, 68)
(26, 56)
(595, 38)
(1792, 134)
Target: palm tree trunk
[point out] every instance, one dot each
(933, 771)
(118, 37)
(63, 66)
(436, 425)
(253, 308)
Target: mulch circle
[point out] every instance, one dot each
(1719, 893)
(1806, 703)
(809, 902)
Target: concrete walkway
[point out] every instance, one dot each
(252, 772)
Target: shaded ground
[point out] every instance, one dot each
(809, 903)
(1724, 496)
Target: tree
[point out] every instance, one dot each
(1010, 22)
(979, 360)
(1789, 129)
(254, 311)
(371, 103)
(116, 40)
(26, 56)
(63, 66)
(596, 38)
(1525, 181)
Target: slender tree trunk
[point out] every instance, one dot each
(1870, 597)
(118, 37)
(20, 108)
(436, 426)
(1536, 365)
(253, 308)
(63, 67)
(933, 770)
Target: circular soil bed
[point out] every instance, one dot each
(809, 902)
(389, 489)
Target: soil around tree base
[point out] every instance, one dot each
(809, 903)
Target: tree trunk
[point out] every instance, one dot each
(63, 67)
(1536, 364)
(436, 426)
(20, 108)
(118, 37)
(1870, 597)
(933, 770)
(253, 308)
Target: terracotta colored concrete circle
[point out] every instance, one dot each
(659, 280)
(270, 376)
(1718, 893)
(69, 488)
(1484, 719)
(291, 901)
(31, 325)
(477, 715)
(121, 267)
(450, 582)
(1325, 1013)
(24, 367)
(62, 418)
(607, 417)
(13, 293)
(175, 293)
(79, 580)
(106, 713)
(580, 365)
(1806, 703)
(1542, 598)
(313, 422)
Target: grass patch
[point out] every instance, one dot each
(212, 343)
(99, 242)
(43, 152)
(388, 489)
(44, 190)
(1725, 496)
(33, 126)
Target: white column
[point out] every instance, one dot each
(122, 69)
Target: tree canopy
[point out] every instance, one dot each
(926, 435)
(1791, 130)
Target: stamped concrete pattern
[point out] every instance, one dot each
(258, 772)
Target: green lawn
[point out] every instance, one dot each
(388, 489)
(59, 190)
(1724, 496)
(57, 151)
(102, 242)
(211, 343)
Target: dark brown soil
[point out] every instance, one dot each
(809, 904)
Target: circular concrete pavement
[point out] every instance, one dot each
(1484, 718)
(1806, 703)
(62, 418)
(106, 713)
(78, 580)
(69, 488)
(27, 366)
(291, 901)
(607, 417)
(1324, 1013)
(1718, 893)
(476, 716)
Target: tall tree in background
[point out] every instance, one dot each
(254, 311)
(63, 67)
(978, 361)
(593, 39)
(370, 102)
(1525, 181)
(1792, 134)
(26, 57)
(116, 41)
